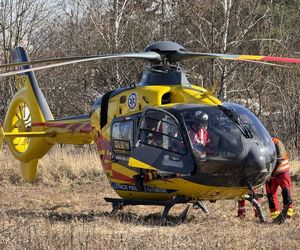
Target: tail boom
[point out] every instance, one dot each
(75, 130)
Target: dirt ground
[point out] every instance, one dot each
(65, 209)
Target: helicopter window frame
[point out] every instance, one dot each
(163, 136)
(122, 144)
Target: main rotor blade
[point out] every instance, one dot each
(186, 55)
(53, 60)
(271, 64)
(151, 56)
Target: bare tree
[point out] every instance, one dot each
(22, 22)
(86, 27)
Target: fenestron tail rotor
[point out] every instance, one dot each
(18, 122)
(21, 122)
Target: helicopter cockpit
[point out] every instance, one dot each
(229, 136)
(222, 129)
(224, 144)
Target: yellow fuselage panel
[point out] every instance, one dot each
(95, 121)
(147, 96)
(166, 189)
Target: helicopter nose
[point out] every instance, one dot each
(258, 165)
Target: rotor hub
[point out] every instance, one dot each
(164, 47)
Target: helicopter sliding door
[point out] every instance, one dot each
(161, 144)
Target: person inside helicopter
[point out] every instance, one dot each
(198, 133)
(212, 134)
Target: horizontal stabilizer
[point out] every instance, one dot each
(1, 135)
(23, 134)
(29, 134)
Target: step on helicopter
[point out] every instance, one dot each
(161, 142)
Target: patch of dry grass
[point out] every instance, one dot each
(66, 166)
(295, 167)
(65, 209)
(70, 166)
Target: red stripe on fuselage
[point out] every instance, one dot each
(121, 177)
(74, 127)
(103, 145)
(71, 127)
(86, 129)
(50, 125)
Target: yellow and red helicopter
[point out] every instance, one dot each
(146, 134)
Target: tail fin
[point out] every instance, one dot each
(1, 134)
(19, 55)
(28, 106)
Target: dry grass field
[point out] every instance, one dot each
(64, 209)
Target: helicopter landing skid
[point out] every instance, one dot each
(119, 204)
(257, 206)
(199, 204)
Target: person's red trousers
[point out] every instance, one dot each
(284, 181)
(241, 212)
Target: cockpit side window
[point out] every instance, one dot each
(158, 129)
(122, 136)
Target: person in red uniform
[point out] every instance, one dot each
(199, 135)
(241, 212)
(280, 177)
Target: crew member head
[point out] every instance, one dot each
(201, 119)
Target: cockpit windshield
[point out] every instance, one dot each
(222, 131)
(252, 123)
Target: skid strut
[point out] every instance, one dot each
(118, 204)
(199, 204)
(257, 206)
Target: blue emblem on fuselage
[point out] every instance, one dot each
(132, 101)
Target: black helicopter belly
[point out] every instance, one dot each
(228, 174)
(215, 179)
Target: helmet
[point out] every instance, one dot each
(201, 116)
(205, 117)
